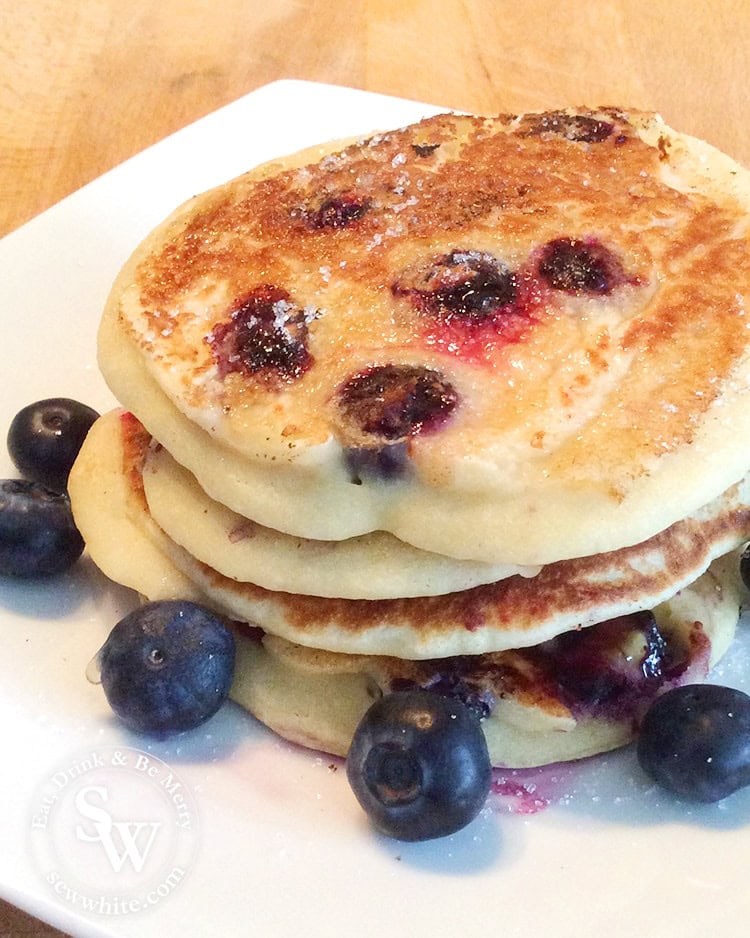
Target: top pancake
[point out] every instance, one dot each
(514, 340)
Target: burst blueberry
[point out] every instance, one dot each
(265, 337)
(338, 212)
(578, 266)
(578, 128)
(464, 285)
(392, 402)
(167, 667)
(419, 766)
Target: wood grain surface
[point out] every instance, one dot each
(86, 84)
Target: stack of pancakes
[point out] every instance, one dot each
(462, 406)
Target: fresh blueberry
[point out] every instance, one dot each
(695, 741)
(418, 765)
(167, 667)
(44, 439)
(745, 566)
(38, 536)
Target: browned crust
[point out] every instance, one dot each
(484, 177)
(517, 602)
(135, 442)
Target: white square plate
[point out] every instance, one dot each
(279, 846)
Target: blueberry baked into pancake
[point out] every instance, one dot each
(460, 407)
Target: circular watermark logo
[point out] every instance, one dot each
(113, 831)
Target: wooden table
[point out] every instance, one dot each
(86, 84)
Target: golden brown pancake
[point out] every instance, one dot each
(576, 696)
(513, 339)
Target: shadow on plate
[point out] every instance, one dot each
(481, 846)
(214, 741)
(57, 597)
(610, 789)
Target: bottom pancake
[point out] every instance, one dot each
(577, 695)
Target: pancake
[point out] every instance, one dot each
(512, 613)
(574, 696)
(537, 706)
(372, 566)
(515, 340)
(107, 496)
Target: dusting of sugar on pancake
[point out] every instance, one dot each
(586, 309)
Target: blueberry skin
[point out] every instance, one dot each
(745, 567)
(695, 741)
(418, 765)
(44, 439)
(167, 667)
(38, 536)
